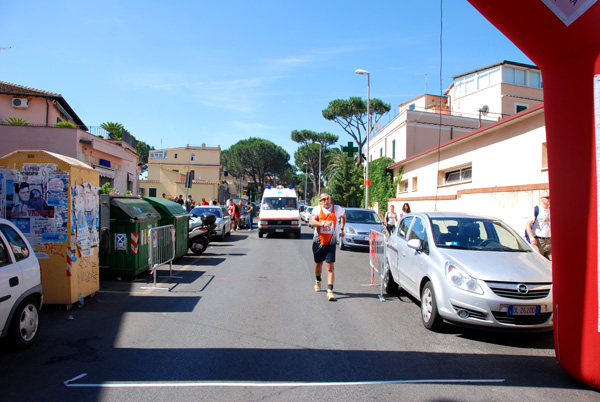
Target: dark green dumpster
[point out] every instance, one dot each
(171, 213)
(124, 234)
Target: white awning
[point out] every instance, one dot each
(105, 172)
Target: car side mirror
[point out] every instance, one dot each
(415, 244)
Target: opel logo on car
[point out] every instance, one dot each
(522, 288)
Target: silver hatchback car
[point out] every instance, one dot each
(469, 270)
(359, 222)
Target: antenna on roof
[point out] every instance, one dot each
(425, 74)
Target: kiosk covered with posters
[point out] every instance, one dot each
(53, 200)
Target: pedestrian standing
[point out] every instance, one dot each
(188, 203)
(238, 214)
(538, 229)
(249, 209)
(231, 210)
(324, 218)
(391, 219)
(405, 210)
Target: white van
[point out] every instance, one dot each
(279, 212)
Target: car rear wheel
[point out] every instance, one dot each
(260, 234)
(429, 312)
(25, 323)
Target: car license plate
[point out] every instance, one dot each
(523, 310)
(279, 230)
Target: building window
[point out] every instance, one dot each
(458, 175)
(394, 149)
(193, 157)
(152, 192)
(519, 107)
(380, 152)
(142, 191)
(414, 184)
(517, 76)
(175, 156)
(411, 106)
(158, 155)
(404, 186)
(544, 156)
(176, 170)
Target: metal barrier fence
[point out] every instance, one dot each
(377, 257)
(161, 250)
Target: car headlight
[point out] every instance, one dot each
(294, 222)
(461, 279)
(349, 229)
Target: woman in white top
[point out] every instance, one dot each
(405, 210)
(391, 219)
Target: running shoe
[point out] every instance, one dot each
(317, 286)
(330, 296)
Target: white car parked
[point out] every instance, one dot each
(469, 270)
(21, 293)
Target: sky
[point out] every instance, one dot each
(217, 72)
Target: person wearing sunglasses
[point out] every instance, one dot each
(324, 218)
(538, 230)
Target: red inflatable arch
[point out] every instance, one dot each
(562, 37)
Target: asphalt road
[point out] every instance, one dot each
(243, 323)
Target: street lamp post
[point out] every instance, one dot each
(367, 182)
(305, 181)
(317, 142)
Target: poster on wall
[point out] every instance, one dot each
(85, 218)
(31, 200)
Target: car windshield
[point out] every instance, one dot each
(476, 234)
(366, 216)
(216, 211)
(279, 203)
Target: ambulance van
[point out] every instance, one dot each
(279, 212)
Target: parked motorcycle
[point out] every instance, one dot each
(201, 228)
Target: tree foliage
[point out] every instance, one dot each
(115, 130)
(143, 150)
(17, 121)
(382, 183)
(351, 115)
(344, 180)
(260, 159)
(308, 152)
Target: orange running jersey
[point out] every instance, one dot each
(326, 232)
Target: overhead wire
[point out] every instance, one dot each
(441, 106)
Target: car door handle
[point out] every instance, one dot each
(14, 281)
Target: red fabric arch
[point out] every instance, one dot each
(568, 57)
